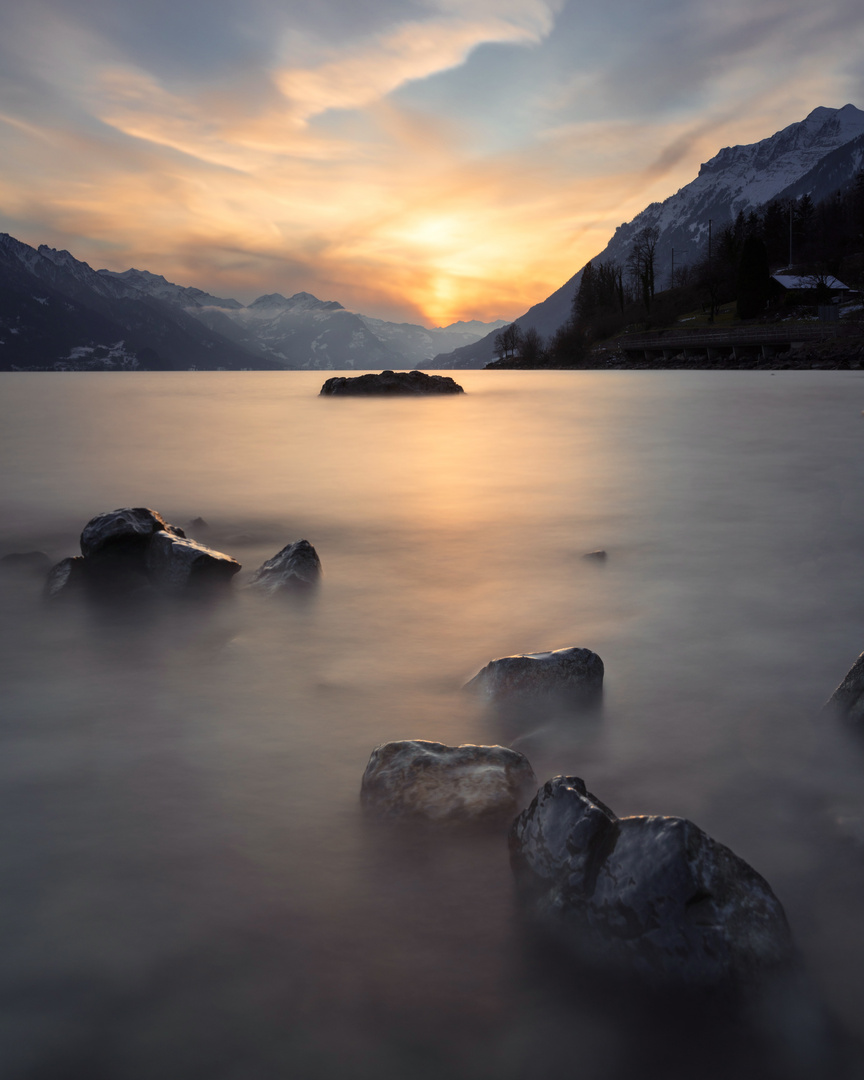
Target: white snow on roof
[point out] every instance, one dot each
(794, 281)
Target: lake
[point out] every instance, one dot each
(189, 888)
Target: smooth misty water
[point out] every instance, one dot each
(188, 889)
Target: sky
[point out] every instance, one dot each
(416, 160)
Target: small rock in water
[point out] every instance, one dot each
(296, 566)
(175, 563)
(389, 383)
(415, 778)
(600, 554)
(573, 673)
(654, 896)
(848, 699)
(28, 561)
(198, 523)
(66, 577)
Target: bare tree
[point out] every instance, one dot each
(507, 342)
(640, 262)
(532, 347)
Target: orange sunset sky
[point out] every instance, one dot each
(429, 161)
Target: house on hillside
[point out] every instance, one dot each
(809, 288)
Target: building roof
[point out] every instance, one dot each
(808, 281)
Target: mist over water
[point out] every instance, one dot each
(188, 886)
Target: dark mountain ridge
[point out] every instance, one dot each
(57, 313)
(814, 156)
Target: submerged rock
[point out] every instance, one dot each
(848, 698)
(573, 673)
(416, 778)
(599, 555)
(655, 896)
(391, 382)
(28, 561)
(132, 551)
(175, 563)
(296, 566)
(66, 577)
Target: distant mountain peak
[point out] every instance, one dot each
(301, 301)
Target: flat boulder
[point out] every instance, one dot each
(296, 566)
(419, 779)
(572, 673)
(390, 383)
(848, 699)
(652, 896)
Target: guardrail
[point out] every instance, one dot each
(719, 338)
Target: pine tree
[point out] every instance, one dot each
(753, 279)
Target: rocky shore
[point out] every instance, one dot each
(842, 351)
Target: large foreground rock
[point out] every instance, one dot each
(655, 896)
(415, 778)
(575, 674)
(391, 382)
(132, 551)
(296, 566)
(848, 698)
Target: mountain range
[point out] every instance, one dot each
(815, 156)
(56, 312)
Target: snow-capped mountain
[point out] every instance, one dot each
(156, 286)
(57, 312)
(304, 332)
(418, 345)
(825, 148)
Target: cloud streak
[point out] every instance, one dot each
(429, 160)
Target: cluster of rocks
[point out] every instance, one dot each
(390, 383)
(651, 897)
(133, 550)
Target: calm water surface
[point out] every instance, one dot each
(188, 888)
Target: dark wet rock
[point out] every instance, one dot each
(296, 566)
(133, 551)
(573, 673)
(128, 528)
(600, 555)
(391, 382)
(30, 562)
(654, 896)
(415, 778)
(848, 699)
(175, 563)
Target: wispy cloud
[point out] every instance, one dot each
(415, 158)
